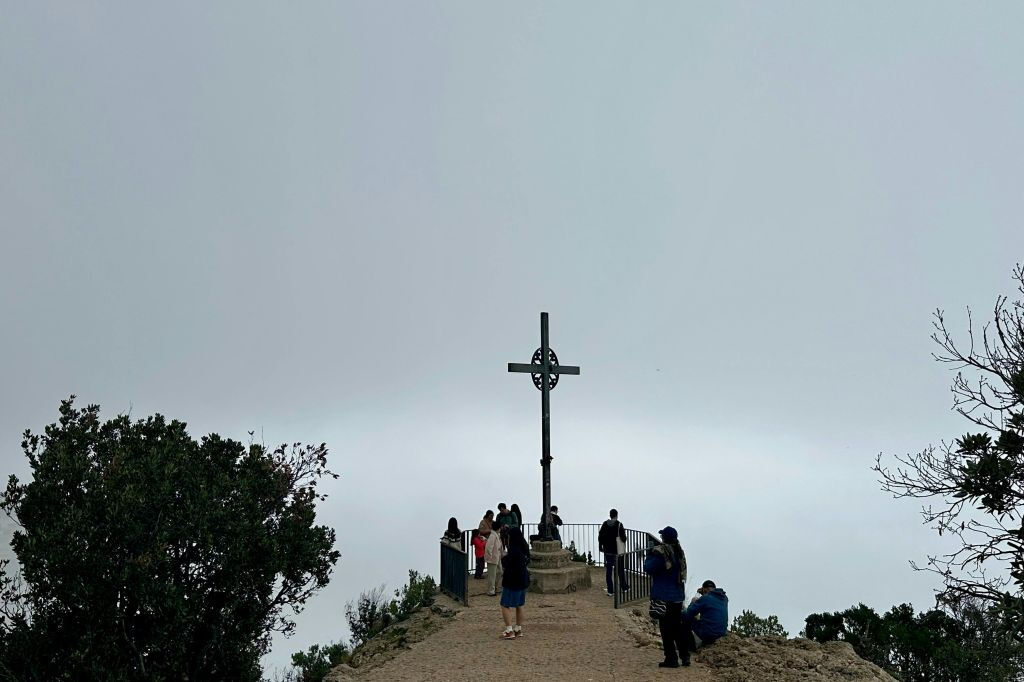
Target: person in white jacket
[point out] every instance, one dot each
(492, 555)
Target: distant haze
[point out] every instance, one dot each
(339, 221)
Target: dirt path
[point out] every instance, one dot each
(568, 637)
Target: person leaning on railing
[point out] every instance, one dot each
(453, 536)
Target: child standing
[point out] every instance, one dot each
(479, 543)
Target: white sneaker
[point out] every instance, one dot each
(610, 594)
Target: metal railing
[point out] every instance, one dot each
(454, 572)
(639, 583)
(582, 538)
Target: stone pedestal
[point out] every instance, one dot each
(552, 569)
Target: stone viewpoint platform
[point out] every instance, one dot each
(552, 570)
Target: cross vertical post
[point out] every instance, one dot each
(545, 371)
(545, 429)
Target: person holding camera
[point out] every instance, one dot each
(666, 564)
(707, 616)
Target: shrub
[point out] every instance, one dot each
(749, 624)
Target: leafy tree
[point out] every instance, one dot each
(978, 479)
(146, 555)
(317, 661)
(749, 624)
(965, 643)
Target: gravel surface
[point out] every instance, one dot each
(575, 636)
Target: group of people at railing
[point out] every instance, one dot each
(498, 542)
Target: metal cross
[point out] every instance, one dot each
(545, 370)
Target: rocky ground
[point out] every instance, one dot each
(578, 636)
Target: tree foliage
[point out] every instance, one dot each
(146, 555)
(978, 479)
(373, 611)
(749, 624)
(964, 643)
(314, 663)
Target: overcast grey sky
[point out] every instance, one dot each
(338, 222)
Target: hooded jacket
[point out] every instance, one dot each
(713, 609)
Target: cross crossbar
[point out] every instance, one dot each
(542, 369)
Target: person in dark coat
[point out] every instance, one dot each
(515, 579)
(519, 515)
(666, 564)
(611, 540)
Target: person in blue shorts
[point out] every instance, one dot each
(515, 580)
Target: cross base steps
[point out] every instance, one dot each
(553, 571)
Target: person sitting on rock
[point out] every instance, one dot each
(708, 616)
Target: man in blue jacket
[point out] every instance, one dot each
(708, 615)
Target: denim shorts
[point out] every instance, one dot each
(510, 599)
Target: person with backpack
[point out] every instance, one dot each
(666, 564)
(611, 540)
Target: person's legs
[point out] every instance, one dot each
(519, 616)
(479, 568)
(687, 636)
(507, 615)
(492, 574)
(669, 626)
(621, 563)
(609, 566)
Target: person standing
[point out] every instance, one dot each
(492, 555)
(486, 524)
(515, 580)
(478, 551)
(556, 521)
(506, 517)
(666, 564)
(611, 540)
(519, 515)
(453, 536)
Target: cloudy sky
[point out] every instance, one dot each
(338, 222)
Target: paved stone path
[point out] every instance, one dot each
(575, 636)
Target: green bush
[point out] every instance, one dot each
(317, 661)
(749, 624)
